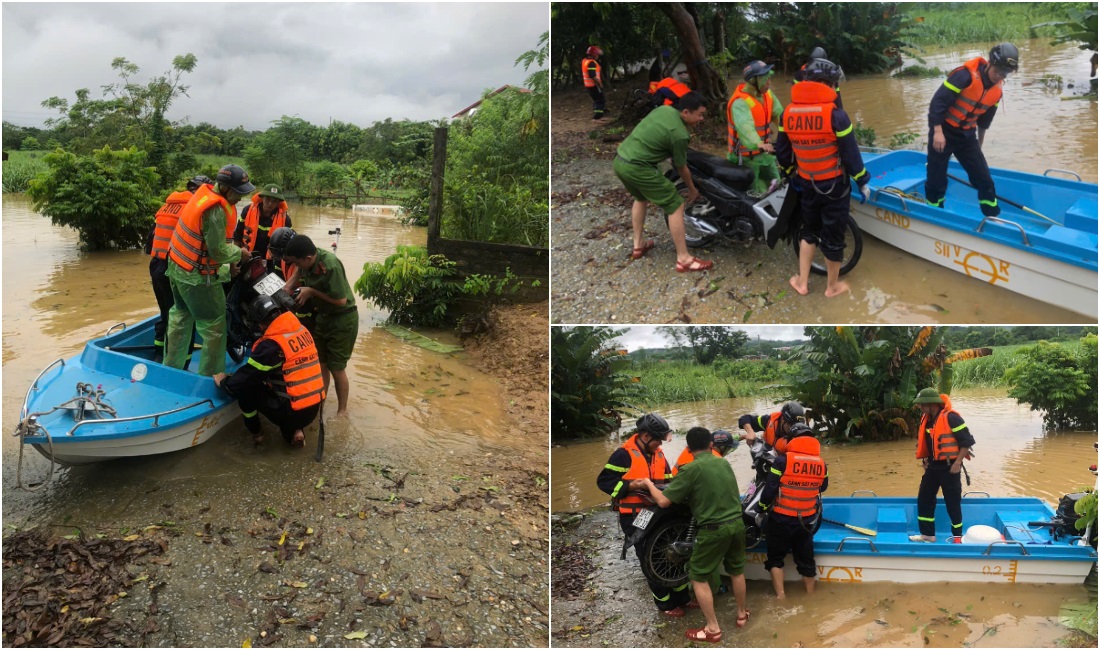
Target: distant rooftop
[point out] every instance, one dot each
(468, 110)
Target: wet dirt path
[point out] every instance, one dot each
(416, 494)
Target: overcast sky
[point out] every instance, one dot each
(358, 63)
(646, 336)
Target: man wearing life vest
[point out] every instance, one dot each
(791, 499)
(708, 486)
(623, 476)
(156, 246)
(775, 426)
(749, 114)
(592, 73)
(943, 442)
(818, 137)
(199, 255)
(266, 213)
(724, 442)
(663, 133)
(282, 379)
(961, 111)
(799, 74)
(667, 91)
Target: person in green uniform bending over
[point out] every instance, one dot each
(709, 487)
(661, 135)
(323, 280)
(199, 255)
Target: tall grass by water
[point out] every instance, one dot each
(951, 23)
(687, 381)
(20, 168)
(988, 372)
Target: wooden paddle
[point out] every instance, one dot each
(857, 529)
(1008, 201)
(320, 438)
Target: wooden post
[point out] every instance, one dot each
(435, 196)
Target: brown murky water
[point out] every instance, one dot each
(404, 399)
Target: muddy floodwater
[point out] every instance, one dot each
(1014, 457)
(413, 492)
(595, 282)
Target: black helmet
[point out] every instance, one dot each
(792, 412)
(653, 424)
(823, 71)
(798, 430)
(756, 69)
(235, 178)
(1005, 56)
(724, 442)
(280, 237)
(817, 53)
(197, 182)
(261, 311)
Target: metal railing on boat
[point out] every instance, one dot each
(155, 416)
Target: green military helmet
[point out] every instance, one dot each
(928, 396)
(271, 191)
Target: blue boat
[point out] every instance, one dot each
(114, 401)
(1044, 247)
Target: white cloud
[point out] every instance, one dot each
(647, 336)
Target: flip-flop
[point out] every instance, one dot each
(741, 621)
(638, 253)
(700, 634)
(694, 265)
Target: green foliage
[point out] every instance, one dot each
(919, 72)
(1058, 381)
(30, 143)
(687, 381)
(494, 286)
(709, 343)
(588, 389)
(1086, 508)
(865, 135)
(18, 173)
(950, 23)
(416, 288)
(902, 140)
(109, 197)
(278, 155)
(326, 176)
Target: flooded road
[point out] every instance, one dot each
(1013, 458)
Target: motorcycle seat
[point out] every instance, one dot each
(736, 176)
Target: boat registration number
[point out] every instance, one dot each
(643, 518)
(269, 284)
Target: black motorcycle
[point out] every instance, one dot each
(256, 276)
(725, 212)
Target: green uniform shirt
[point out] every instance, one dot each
(328, 277)
(662, 134)
(214, 219)
(746, 124)
(709, 487)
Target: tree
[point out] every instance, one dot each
(709, 343)
(704, 78)
(108, 197)
(278, 155)
(1058, 381)
(587, 386)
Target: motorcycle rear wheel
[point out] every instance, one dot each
(851, 252)
(660, 563)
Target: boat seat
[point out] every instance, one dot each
(1013, 525)
(892, 520)
(1082, 215)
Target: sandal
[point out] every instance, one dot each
(741, 621)
(692, 604)
(694, 265)
(700, 634)
(676, 612)
(639, 252)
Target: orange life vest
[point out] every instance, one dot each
(251, 222)
(771, 436)
(808, 124)
(687, 457)
(640, 468)
(301, 379)
(166, 218)
(589, 64)
(187, 247)
(800, 483)
(761, 116)
(944, 444)
(677, 87)
(974, 100)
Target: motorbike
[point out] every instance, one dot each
(256, 276)
(725, 212)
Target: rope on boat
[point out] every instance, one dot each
(86, 396)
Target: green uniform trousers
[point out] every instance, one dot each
(201, 306)
(765, 168)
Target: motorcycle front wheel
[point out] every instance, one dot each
(852, 250)
(661, 561)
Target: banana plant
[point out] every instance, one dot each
(588, 389)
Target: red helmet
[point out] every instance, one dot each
(595, 51)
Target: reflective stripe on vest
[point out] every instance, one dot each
(640, 468)
(301, 380)
(799, 485)
(187, 247)
(974, 100)
(591, 64)
(251, 222)
(944, 444)
(166, 218)
(761, 116)
(808, 124)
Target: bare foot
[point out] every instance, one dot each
(803, 289)
(780, 596)
(299, 439)
(341, 414)
(837, 289)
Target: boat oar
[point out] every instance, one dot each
(857, 529)
(320, 438)
(1008, 201)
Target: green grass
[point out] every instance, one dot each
(988, 372)
(952, 23)
(20, 168)
(686, 381)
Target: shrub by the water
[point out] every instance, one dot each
(1058, 381)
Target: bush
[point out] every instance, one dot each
(416, 288)
(110, 197)
(587, 387)
(18, 174)
(1058, 381)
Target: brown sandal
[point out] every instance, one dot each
(639, 252)
(694, 265)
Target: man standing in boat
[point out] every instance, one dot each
(961, 111)
(199, 255)
(282, 379)
(267, 213)
(942, 445)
